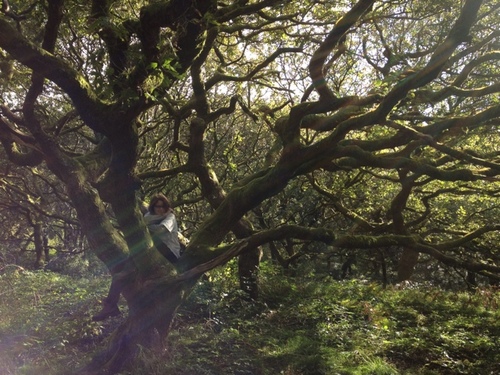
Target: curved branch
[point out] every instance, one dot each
(317, 63)
(185, 18)
(454, 262)
(55, 11)
(117, 44)
(241, 8)
(164, 172)
(219, 77)
(47, 65)
(359, 157)
(13, 140)
(467, 238)
(359, 221)
(223, 254)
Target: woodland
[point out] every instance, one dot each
(329, 162)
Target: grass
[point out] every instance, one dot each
(301, 326)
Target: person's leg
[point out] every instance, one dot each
(110, 303)
(165, 251)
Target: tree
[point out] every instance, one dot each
(211, 102)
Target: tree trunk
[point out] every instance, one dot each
(152, 307)
(248, 263)
(407, 263)
(37, 238)
(145, 279)
(46, 249)
(248, 270)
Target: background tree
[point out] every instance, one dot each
(37, 218)
(284, 123)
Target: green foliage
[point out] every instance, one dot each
(77, 265)
(45, 319)
(301, 325)
(453, 333)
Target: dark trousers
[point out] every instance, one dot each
(165, 251)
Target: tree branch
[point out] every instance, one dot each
(456, 36)
(90, 108)
(317, 63)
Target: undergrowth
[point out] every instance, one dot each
(300, 326)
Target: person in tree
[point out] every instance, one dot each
(162, 224)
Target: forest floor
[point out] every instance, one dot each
(300, 326)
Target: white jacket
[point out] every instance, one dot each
(166, 229)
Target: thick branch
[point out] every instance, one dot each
(332, 238)
(467, 238)
(183, 17)
(363, 158)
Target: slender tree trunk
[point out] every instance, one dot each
(37, 238)
(46, 249)
(248, 263)
(383, 265)
(471, 279)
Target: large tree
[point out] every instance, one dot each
(232, 105)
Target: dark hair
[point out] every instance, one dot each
(159, 198)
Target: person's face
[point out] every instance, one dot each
(160, 207)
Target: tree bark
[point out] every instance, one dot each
(39, 250)
(406, 264)
(248, 271)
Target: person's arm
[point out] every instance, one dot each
(156, 228)
(153, 219)
(158, 224)
(169, 222)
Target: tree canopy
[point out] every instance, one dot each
(311, 128)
